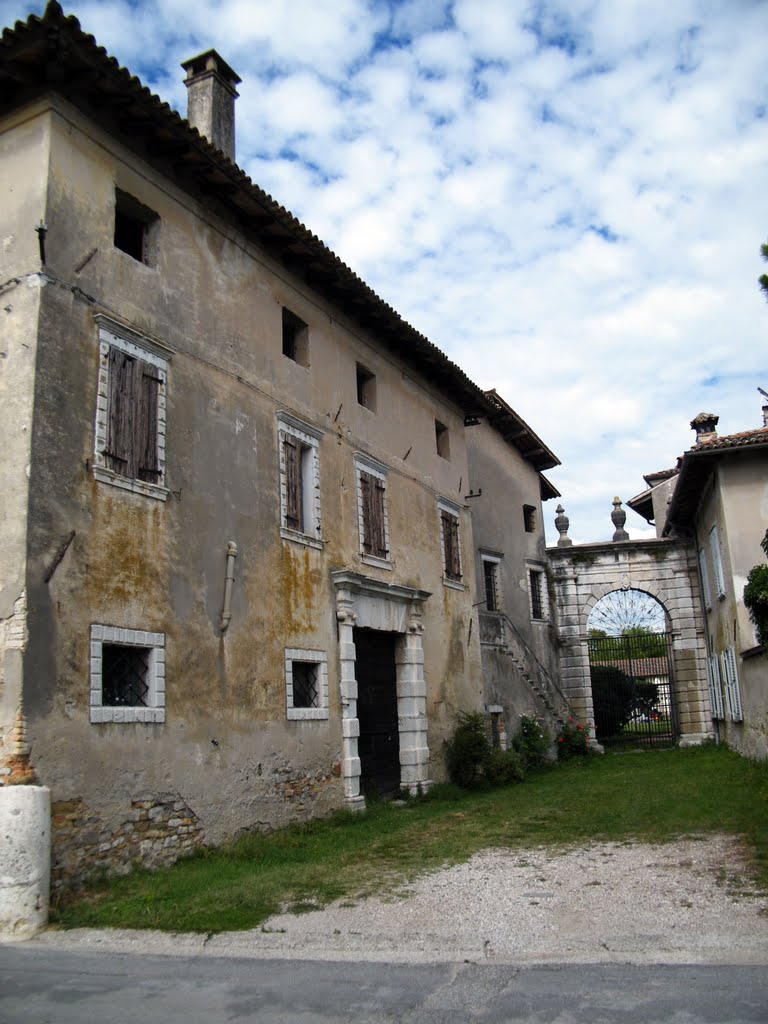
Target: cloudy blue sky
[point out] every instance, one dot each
(567, 197)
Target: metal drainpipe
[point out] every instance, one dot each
(226, 614)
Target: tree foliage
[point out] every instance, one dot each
(763, 279)
(617, 699)
(756, 595)
(634, 641)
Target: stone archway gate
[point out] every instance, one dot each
(665, 569)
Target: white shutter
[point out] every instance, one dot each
(731, 677)
(717, 562)
(705, 589)
(715, 690)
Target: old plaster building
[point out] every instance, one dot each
(716, 500)
(238, 573)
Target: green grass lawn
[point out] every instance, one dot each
(652, 796)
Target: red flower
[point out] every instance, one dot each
(560, 739)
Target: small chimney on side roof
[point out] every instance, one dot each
(705, 425)
(211, 99)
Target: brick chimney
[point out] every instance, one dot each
(705, 425)
(211, 99)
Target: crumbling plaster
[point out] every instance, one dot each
(226, 748)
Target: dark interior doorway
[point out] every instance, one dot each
(379, 743)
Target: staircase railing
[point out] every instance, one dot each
(540, 676)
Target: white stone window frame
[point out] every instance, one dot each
(309, 438)
(495, 561)
(545, 609)
(115, 335)
(717, 562)
(366, 464)
(319, 658)
(454, 510)
(154, 710)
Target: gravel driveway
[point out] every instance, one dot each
(689, 901)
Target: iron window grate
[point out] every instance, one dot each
(306, 688)
(125, 674)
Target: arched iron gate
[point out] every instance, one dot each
(631, 678)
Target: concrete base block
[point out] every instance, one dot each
(25, 860)
(694, 739)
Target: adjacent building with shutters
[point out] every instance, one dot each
(717, 497)
(239, 568)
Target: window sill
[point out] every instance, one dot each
(106, 476)
(453, 584)
(307, 714)
(301, 538)
(152, 716)
(380, 563)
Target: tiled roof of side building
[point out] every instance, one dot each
(52, 53)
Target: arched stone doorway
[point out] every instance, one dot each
(665, 570)
(630, 667)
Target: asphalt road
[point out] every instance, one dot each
(60, 987)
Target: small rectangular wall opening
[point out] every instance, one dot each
(442, 440)
(366, 388)
(295, 338)
(135, 228)
(529, 518)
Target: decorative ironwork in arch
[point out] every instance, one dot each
(622, 610)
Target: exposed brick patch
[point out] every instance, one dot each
(156, 831)
(307, 788)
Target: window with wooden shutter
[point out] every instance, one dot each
(294, 503)
(132, 434)
(372, 508)
(451, 555)
(374, 533)
(298, 445)
(715, 689)
(130, 411)
(717, 562)
(731, 680)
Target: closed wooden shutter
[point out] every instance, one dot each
(451, 545)
(148, 467)
(134, 390)
(119, 427)
(372, 490)
(293, 490)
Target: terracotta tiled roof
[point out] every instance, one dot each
(743, 440)
(639, 668)
(696, 466)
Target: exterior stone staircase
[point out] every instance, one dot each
(498, 630)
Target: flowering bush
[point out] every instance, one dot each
(572, 740)
(532, 742)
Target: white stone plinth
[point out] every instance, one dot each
(25, 860)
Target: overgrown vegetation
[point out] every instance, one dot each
(473, 763)
(756, 596)
(654, 796)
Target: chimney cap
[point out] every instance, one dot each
(705, 425)
(210, 62)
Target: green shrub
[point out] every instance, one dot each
(503, 767)
(617, 699)
(756, 600)
(467, 751)
(572, 740)
(532, 742)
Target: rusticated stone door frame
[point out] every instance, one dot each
(665, 569)
(368, 603)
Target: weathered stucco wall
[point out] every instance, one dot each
(23, 169)
(104, 555)
(508, 484)
(736, 501)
